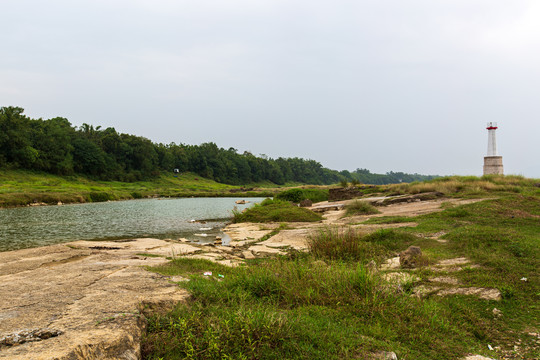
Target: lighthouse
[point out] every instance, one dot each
(492, 162)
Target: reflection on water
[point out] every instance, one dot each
(158, 218)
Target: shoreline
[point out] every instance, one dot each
(174, 219)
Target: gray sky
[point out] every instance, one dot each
(381, 84)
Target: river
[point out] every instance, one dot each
(27, 227)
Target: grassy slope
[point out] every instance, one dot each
(24, 187)
(298, 308)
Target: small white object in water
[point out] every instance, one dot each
(203, 235)
(192, 220)
(206, 228)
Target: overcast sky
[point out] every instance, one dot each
(387, 85)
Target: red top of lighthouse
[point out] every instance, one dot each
(491, 126)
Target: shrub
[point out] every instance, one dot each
(275, 211)
(136, 195)
(296, 195)
(293, 195)
(343, 183)
(99, 196)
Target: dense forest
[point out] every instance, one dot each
(57, 147)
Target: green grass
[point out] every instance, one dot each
(389, 220)
(358, 207)
(296, 195)
(348, 244)
(325, 305)
(275, 211)
(20, 187)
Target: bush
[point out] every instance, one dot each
(275, 211)
(296, 195)
(293, 195)
(99, 196)
(136, 195)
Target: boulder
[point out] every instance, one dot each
(306, 203)
(411, 257)
(410, 198)
(347, 193)
(385, 355)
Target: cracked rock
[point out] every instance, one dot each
(28, 335)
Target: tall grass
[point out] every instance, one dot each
(468, 185)
(349, 244)
(358, 207)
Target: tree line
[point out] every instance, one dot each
(55, 146)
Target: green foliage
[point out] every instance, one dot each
(21, 187)
(99, 196)
(296, 195)
(275, 211)
(55, 146)
(388, 220)
(292, 195)
(343, 183)
(358, 207)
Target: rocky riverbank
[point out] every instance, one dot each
(87, 299)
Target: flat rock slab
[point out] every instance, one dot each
(296, 239)
(245, 233)
(261, 250)
(89, 293)
(482, 293)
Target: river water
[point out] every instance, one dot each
(157, 218)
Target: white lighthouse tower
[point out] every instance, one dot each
(492, 162)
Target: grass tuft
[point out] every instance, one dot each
(358, 207)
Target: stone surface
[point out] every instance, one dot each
(445, 280)
(385, 355)
(493, 165)
(346, 193)
(482, 293)
(295, 238)
(89, 292)
(410, 258)
(391, 264)
(409, 198)
(28, 335)
(400, 277)
(245, 233)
